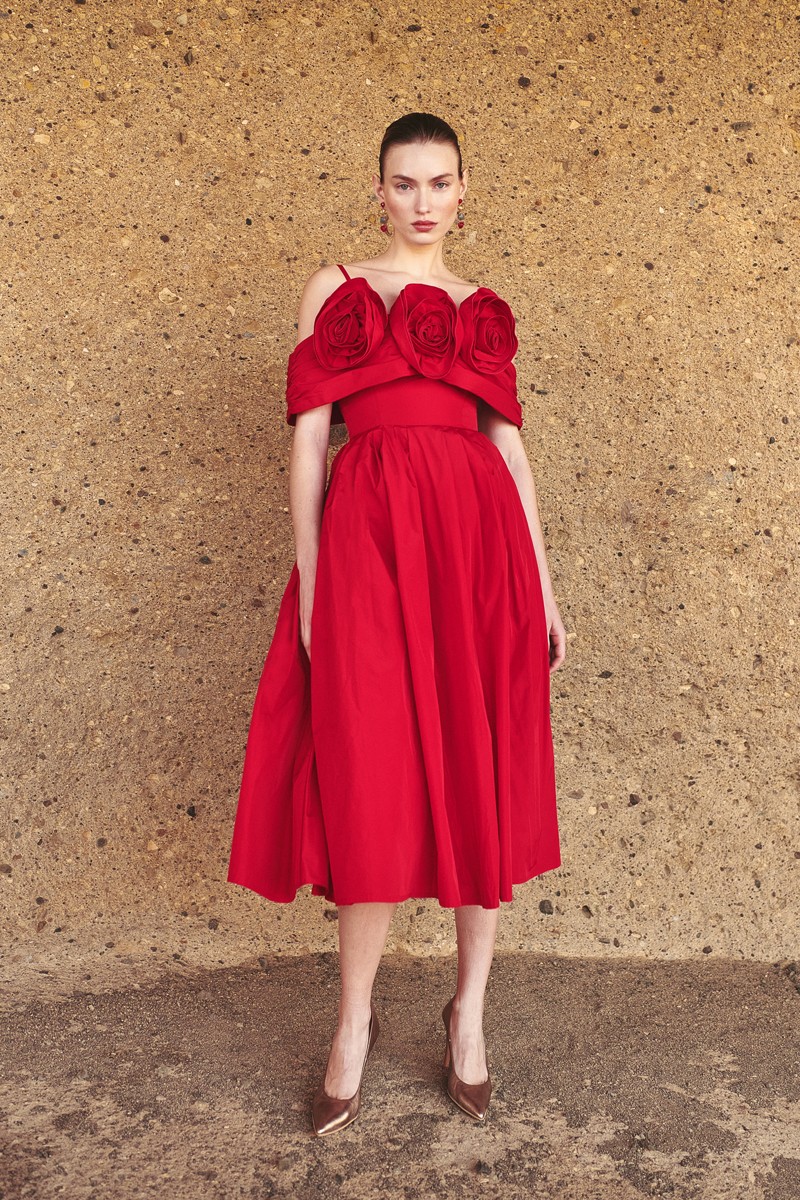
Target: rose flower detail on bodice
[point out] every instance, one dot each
(357, 343)
(349, 326)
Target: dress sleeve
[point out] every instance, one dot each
(508, 403)
(309, 385)
(498, 389)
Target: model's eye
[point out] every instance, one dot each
(401, 185)
(444, 183)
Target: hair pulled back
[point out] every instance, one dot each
(418, 127)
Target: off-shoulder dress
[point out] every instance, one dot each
(411, 755)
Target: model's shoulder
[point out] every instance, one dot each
(323, 279)
(365, 264)
(319, 285)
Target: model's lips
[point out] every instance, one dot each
(424, 224)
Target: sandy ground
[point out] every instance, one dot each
(611, 1079)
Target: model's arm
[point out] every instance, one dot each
(506, 437)
(308, 460)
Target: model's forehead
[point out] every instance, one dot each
(422, 159)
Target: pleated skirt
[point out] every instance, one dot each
(412, 755)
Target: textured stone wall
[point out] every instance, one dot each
(169, 180)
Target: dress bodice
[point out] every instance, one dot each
(357, 344)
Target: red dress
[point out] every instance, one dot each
(411, 756)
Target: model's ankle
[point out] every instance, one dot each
(469, 1010)
(354, 1019)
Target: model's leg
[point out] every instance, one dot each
(363, 929)
(476, 930)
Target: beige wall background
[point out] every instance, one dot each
(169, 179)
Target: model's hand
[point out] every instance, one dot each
(555, 633)
(306, 604)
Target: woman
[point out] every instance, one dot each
(408, 752)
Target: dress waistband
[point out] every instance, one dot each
(409, 401)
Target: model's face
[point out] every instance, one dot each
(422, 189)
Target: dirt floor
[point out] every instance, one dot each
(611, 1079)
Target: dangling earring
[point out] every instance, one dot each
(384, 218)
(460, 217)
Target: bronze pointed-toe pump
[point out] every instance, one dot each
(473, 1098)
(329, 1113)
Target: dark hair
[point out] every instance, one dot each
(418, 127)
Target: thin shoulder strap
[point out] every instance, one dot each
(341, 268)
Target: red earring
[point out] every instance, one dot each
(460, 216)
(384, 218)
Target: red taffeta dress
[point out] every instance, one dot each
(411, 756)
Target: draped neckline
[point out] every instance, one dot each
(414, 283)
(388, 309)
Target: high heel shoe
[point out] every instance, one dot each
(329, 1113)
(473, 1098)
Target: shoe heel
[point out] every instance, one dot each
(446, 1022)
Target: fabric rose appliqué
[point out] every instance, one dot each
(489, 340)
(349, 326)
(425, 325)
